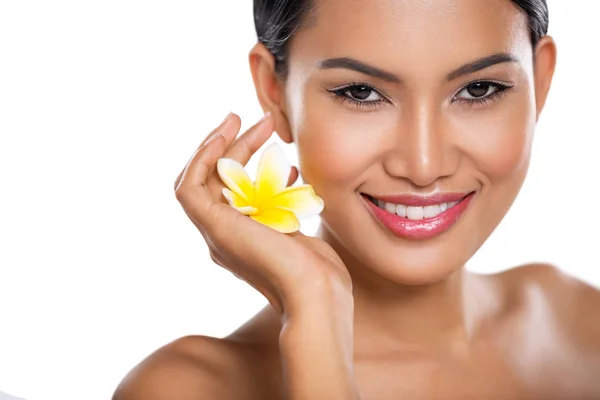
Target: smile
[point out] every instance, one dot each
(415, 217)
(414, 212)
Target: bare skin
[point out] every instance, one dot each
(366, 314)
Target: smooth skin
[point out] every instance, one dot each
(356, 312)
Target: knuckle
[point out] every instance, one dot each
(214, 257)
(247, 149)
(176, 184)
(202, 170)
(178, 179)
(181, 193)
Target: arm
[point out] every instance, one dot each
(316, 353)
(316, 361)
(302, 277)
(316, 345)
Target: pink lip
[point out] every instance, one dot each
(424, 228)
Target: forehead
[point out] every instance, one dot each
(435, 33)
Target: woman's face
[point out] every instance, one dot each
(423, 133)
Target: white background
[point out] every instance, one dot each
(101, 105)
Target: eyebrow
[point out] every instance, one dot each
(356, 65)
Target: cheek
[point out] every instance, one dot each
(499, 143)
(334, 151)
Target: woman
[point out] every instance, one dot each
(399, 110)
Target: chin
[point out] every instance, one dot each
(410, 266)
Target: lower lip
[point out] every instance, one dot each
(423, 228)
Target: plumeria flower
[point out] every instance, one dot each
(268, 200)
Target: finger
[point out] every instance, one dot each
(192, 192)
(250, 141)
(242, 150)
(228, 129)
(231, 119)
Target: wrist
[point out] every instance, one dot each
(324, 322)
(317, 355)
(321, 295)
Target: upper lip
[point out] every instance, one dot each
(417, 201)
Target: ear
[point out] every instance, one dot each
(545, 62)
(269, 89)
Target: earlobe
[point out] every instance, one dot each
(269, 89)
(282, 127)
(545, 63)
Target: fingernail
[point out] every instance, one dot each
(226, 118)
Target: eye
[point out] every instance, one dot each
(482, 92)
(359, 94)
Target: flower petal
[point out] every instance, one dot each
(273, 173)
(233, 199)
(281, 220)
(301, 200)
(248, 210)
(238, 203)
(232, 173)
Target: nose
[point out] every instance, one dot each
(423, 151)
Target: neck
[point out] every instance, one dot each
(408, 317)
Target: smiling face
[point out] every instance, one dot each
(420, 128)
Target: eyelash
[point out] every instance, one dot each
(502, 89)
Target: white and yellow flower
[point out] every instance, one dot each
(268, 200)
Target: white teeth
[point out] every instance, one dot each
(414, 212)
(401, 210)
(390, 207)
(431, 211)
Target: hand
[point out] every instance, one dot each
(287, 269)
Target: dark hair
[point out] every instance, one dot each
(276, 21)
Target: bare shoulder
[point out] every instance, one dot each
(193, 368)
(555, 329)
(573, 304)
